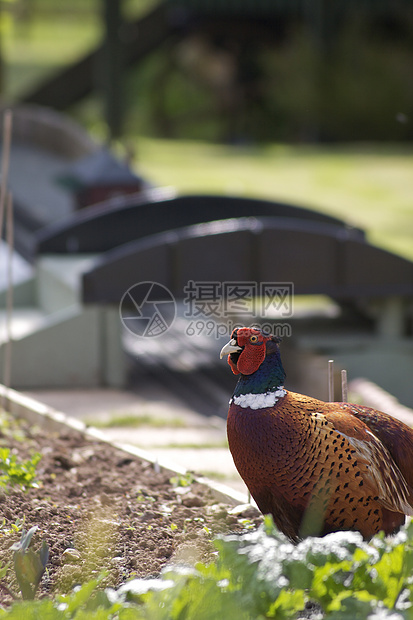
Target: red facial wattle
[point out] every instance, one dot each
(233, 365)
(252, 354)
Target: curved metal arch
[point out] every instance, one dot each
(316, 258)
(103, 227)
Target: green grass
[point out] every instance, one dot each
(195, 446)
(52, 35)
(368, 186)
(136, 421)
(36, 50)
(218, 476)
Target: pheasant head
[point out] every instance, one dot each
(254, 355)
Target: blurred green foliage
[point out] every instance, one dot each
(363, 91)
(192, 89)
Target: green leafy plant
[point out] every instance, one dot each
(257, 575)
(14, 528)
(29, 565)
(262, 575)
(182, 480)
(14, 473)
(86, 602)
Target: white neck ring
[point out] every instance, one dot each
(258, 401)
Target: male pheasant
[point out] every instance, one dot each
(317, 467)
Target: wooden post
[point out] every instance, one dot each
(320, 14)
(330, 380)
(5, 163)
(112, 67)
(344, 391)
(9, 310)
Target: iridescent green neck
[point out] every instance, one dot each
(269, 377)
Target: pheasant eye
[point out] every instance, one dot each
(254, 339)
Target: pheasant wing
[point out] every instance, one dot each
(380, 470)
(395, 435)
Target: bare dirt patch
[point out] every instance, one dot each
(100, 509)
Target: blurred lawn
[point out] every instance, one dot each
(38, 51)
(52, 35)
(370, 187)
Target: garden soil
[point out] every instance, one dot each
(101, 509)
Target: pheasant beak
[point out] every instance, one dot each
(230, 347)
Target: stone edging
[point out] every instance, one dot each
(35, 412)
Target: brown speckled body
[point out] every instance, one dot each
(321, 467)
